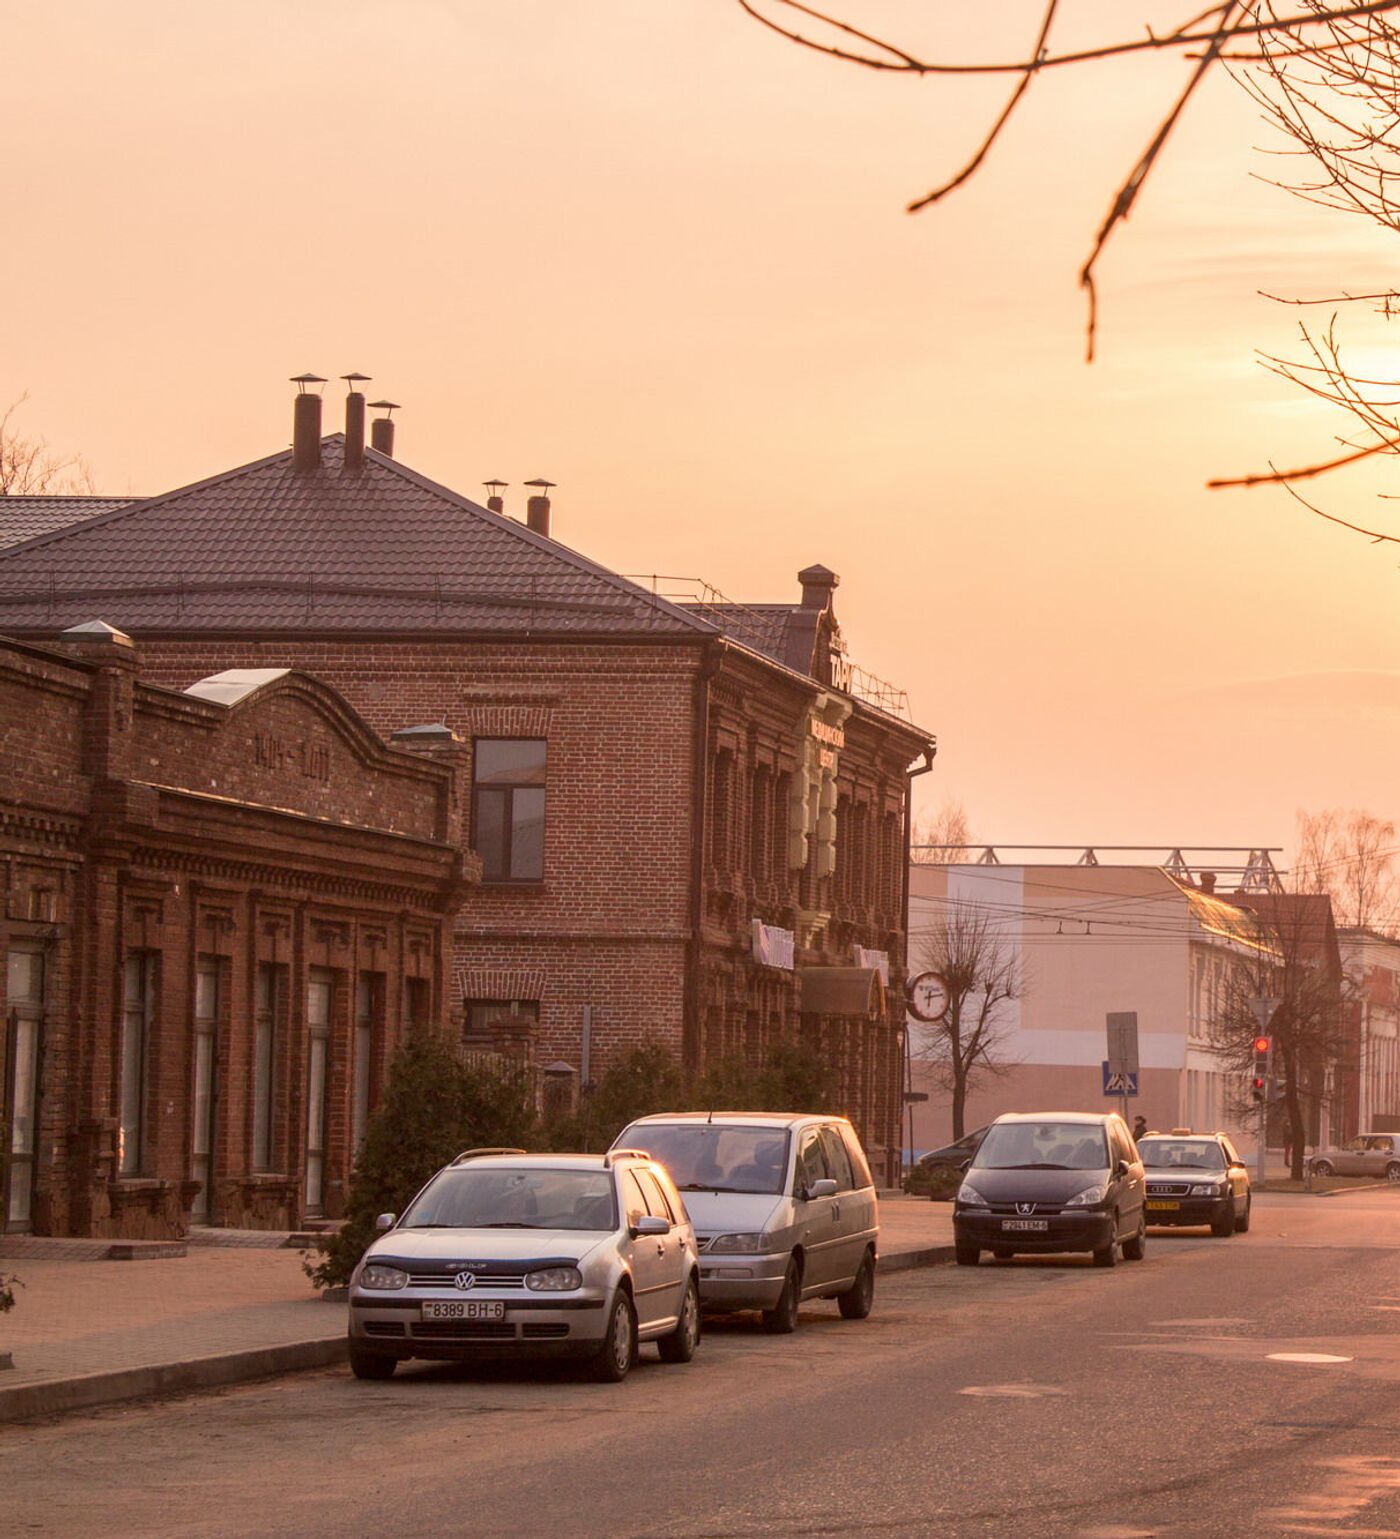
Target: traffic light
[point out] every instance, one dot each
(1259, 1084)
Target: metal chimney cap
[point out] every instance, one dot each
(383, 405)
(495, 486)
(542, 483)
(97, 630)
(303, 380)
(356, 379)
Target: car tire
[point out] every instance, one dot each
(680, 1345)
(1242, 1222)
(1136, 1248)
(859, 1299)
(966, 1255)
(1001, 1253)
(1108, 1255)
(1224, 1226)
(1392, 1172)
(781, 1320)
(371, 1365)
(1322, 1167)
(618, 1349)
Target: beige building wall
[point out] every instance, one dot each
(1090, 940)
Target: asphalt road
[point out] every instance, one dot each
(1022, 1399)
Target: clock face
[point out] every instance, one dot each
(928, 997)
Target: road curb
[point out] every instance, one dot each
(908, 1260)
(88, 1390)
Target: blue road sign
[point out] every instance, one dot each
(1123, 1083)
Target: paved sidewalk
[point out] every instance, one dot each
(89, 1332)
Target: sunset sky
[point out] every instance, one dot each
(655, 254)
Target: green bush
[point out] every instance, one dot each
(646, 1079)
(434, 1106)
(937, 1182)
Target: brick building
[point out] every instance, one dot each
(219, 908)
(692, 816)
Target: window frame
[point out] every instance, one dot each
(133, 1160)
(268, 1016)
(504, 876)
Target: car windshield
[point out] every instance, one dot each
(1180, 1154)
(499, 1197)
(715, 1156)
(1042, 1146)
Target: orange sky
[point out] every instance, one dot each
(652, 253)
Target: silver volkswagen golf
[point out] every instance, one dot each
(505, 1253)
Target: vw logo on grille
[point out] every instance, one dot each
(1025, 1207)
(465, 1281)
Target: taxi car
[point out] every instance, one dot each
(1196, 1178)
(505, 1253)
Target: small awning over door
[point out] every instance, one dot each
(857, 991)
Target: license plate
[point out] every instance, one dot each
(1164, 1207)
(464, 1309)
(1035, 1225)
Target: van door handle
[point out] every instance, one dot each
(835, 1211)
(660, 1248)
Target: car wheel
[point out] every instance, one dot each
(966, 1255)
(371, 1365)
(680, 1345)
(1136, 1248)
(859, 1299)
(1224, 1226)
(1108, 1255)
(781, 1320)
(1242, 1222)
(1322, 1167)
(1002, 1253)
(1392, 1172)
(618, 1349)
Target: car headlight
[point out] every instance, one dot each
(554, 1279)
(969, 1195)
(739, 1244)
(1090, 1197)
(1209, 1190)
(383, 1278)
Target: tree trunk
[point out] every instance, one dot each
(1297, 1128)
(959, 1100)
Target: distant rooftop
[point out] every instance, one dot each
(22, 518)
(1256, 873)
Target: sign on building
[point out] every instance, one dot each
(879, 960)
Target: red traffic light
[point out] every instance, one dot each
(1261, 1044)
(1258, 1083)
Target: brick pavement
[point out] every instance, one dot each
(78, 1318)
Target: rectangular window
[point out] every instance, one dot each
(266, 1041)
(138, 1012)
(508, 785)
(24, 996)
(369, 1014)
(415, 1003)
(203, 1089)
(498, 1025)
(320, 992)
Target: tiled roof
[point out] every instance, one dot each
(265, 548)
(763, 627)
(22, 518)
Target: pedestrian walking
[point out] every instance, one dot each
(1139, 1127)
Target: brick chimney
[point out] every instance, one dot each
(306, 423)
(818, 584)
(537, 509)
(494, 501)
(381, 430)
(355, 422)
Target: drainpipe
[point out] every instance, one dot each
(910, 776)
(710, 662)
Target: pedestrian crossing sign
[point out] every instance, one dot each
(1119, 1081)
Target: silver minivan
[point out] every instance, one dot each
(783, 1206)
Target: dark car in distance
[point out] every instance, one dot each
(953, 1156)
(1196, 1178)
(1050, 1182)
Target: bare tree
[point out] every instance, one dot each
(982, 974)
(28, 467)
(1350, 857)
(940, 838)
(1302, 970)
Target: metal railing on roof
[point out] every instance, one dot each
(1257, 873)
(753, 626)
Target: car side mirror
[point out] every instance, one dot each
(385, 1221)
(647, 1224)
(825, 1187)
(1121, 1168)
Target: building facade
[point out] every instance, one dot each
(1090, 940)
(1368, 1099)
(220, 909)
(691, 814)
